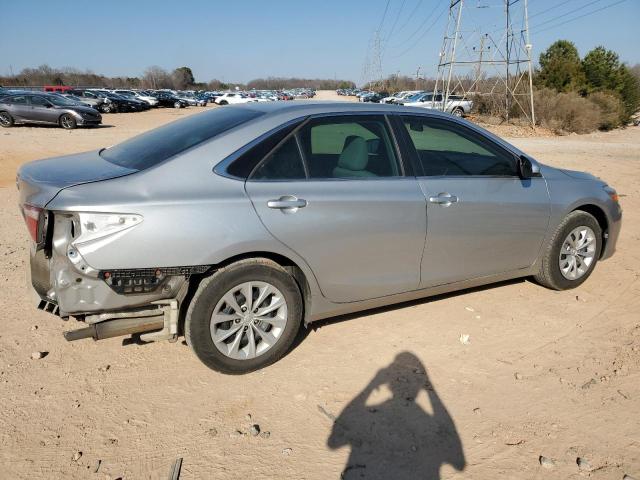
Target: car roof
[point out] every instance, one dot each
(301, 108)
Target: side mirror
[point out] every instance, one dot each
(525, 167)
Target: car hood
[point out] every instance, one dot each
(40, 181)
(579, 175)
(77, 108)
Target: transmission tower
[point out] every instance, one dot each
(372, 74)
(480, 62)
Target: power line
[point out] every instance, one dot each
(410, 15)
(581, 16)
(393, 27)
(384, 15)
(417, 30)
(582, 7)
(423, 33)
(549, 9)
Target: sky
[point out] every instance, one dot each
(242, 40)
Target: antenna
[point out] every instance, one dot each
(476, 63)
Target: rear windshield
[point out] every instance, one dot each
(156, 146)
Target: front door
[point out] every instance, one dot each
(482, 218)
(42, 110)
(335, 193)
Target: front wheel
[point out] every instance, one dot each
(223, 102)
(244, 317)
(6, 120)
(68, 122)
(572, 253)
(177, 105)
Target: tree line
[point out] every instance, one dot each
(156, 77)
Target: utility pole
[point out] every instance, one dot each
(479, 69)
(417, 76)
(507, 59)
(509, 35)
(528, 48)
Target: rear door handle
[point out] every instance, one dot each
(445, 199)
(287, 202)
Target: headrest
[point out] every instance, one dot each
(355, 155)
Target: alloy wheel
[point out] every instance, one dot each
(5, 119)
(248, 320)
(66, 121)
(577, 253)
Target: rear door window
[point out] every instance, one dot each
(285, 163)
(350, 146)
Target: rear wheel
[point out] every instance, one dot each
(67, 122)
(244, 317)
(223, 102)
(6, 120)
(572, 253)
(458, 112)
(177, 105)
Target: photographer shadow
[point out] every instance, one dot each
(396, 438)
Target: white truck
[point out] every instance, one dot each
(456, 104)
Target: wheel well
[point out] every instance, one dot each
(601, 217)
(289, 265)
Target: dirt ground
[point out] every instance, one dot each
(392, 393)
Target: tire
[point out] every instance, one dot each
(458, 112)
(6, 120)
(209, 300)
(104, 108)
(67, 121)
(550, 274)
(223, 102)
(177, 105)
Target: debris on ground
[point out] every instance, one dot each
(583, 464)
(546, 462)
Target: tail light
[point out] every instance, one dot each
(34, 218)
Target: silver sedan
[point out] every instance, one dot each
(238, 226)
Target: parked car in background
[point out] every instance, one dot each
(168, 99)
(232, 98)
(124, 103)
(89, 102)
(44, 108)
(112, 102)
(399, 96)
(147, 233)
(104, 104)
(373, 97)
(151, 100)
(191, 99)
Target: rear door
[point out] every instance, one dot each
(336, 192)
(482, 218)
(20, 109)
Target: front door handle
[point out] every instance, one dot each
(287, 203)
(445, 199)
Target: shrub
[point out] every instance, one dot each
(611, 109)
(566, 112)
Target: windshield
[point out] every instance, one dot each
(158, 145)
(60, 101)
